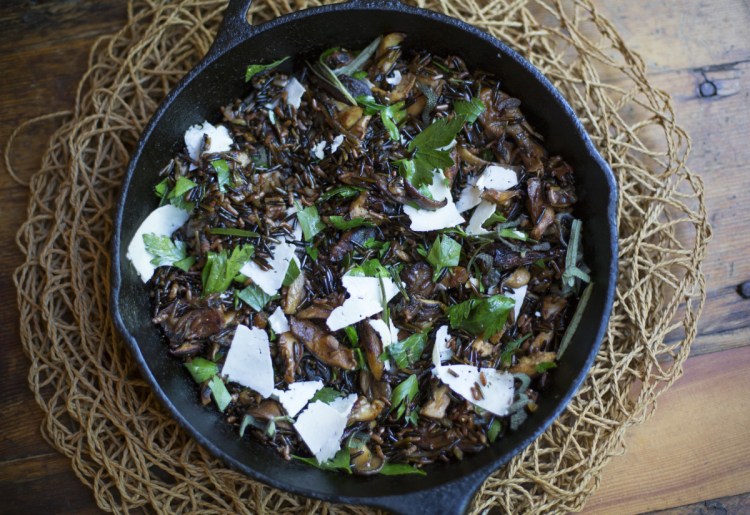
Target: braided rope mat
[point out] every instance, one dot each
(123, 444)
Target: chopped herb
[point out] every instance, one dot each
(403, 394)
(360, 75)
(429, 151)
(326, 394)
(165, 252)
(339, 462)
(220, 392)
(344, 225)
(443, 253)
(291, 273)
(312, 252)
(494, 219)
(309, 221)
(571, 258)
(406, 352)
(544, 366)
(220, 269)
(254, 69)
(232, 231)
(185, 264)
(181, 186)
(162, 189)
(355, 64)
(328, 76)
(471, 109)
(577, 316)
(494, 430)
(351, 333)
(255, 297)
(249, 420)
(370, 268)
(202, 369)
(223, 175)
(514, 234)
(341, 191)
(481, 316)
(399, 469)
(506, 358)
(390, 115)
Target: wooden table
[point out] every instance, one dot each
(695, 450)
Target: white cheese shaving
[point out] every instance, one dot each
(344, 405)
(440, 351)
(270, 280)
(162, 221)
(470, 196)
(336, 143)
(388, 335)
(248, 361)
(365, 299)
(294, 91)
(321, 426)
(278, 321)
(297, 395)
(481, 214)
(319, 150)
(497, 177)
(219, 140)
(394, 79)
(497, 392)
(518, 295)
(432, 220)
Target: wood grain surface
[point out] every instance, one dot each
(692, 456)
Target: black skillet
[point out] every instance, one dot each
(218, 79)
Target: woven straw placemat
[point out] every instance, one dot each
(124, 445)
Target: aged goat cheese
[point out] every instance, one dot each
(271, 280)
(278, 321)
(494, 177)
(336, 143)
(365, 299)
(388, 335)
(440, 351)
(162, 221)
(518, 295)
(318, 150)
(435, 219)
(248, 361)
(294, 91)
(488, 388)
(294, 398)
(322, 425)
(219, 140)
(481, 214)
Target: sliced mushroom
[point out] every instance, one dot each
(270, 410)
(349, 116)
(373, 349)
(519, 277)
(438, 403)
(527, 364)
(365, 410)
(401, 91)
(365, 463)
(552, 306)
(323, 346)
(295, 294)
(291, 352)
(546, 219)
(540, 341)
(483, 348)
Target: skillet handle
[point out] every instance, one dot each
(454, 499)
(234, 28)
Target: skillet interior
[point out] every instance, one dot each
(354, 25)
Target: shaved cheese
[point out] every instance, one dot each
(219, 140)
(365, 299)
(294, 91)
(344, 405)
(270, 280)
(518, 295)
(388, 335)
(336, 143)
(162, 221)
(248, 361)
(440, 351)
(394, 79)
(278, 321)
(470, 196)
(297, 395)
(481, 214)
(319, 150)
(321, 427)
(432, 220)
(497, 392)
(496, 177)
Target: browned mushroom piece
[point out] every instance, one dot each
(322, 345)
(373, 348)
(365, 463)
(527, 364)
(290, 351)
(552, 307)
(295, 295)
(365, 410)
(438, 403)
(270, 410)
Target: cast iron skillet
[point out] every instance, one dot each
(218, 79)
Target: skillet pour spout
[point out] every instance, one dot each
(217, 79)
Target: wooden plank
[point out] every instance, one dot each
(736, 504)
(695, 447)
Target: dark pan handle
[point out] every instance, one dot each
(234, 28)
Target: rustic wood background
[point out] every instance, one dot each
(693, 456)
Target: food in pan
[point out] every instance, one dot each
(370, 263)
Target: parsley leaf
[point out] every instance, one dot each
(165, 251)
(408, 351)
(220, 269)
(309, 221)
(254, 69)
(223, 175)
(399, 469)
(351, 333)
(341, 191)
(438, 134)
(220, 392)
(507, 355)
(181, 186)
(444, 252)
(339, 462)
(291, 273)
(403, 394)
(162, 189)
(571, 257)
(494, 430)
(481, 316)
(344, 225)
(233, 231)
(544, 366)
(326, 394)
(390, 115)
(494, 219)
(472, 109)
(514, 234)
(255, 297)
(369, 268)
(202, 369)
(312, 252)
